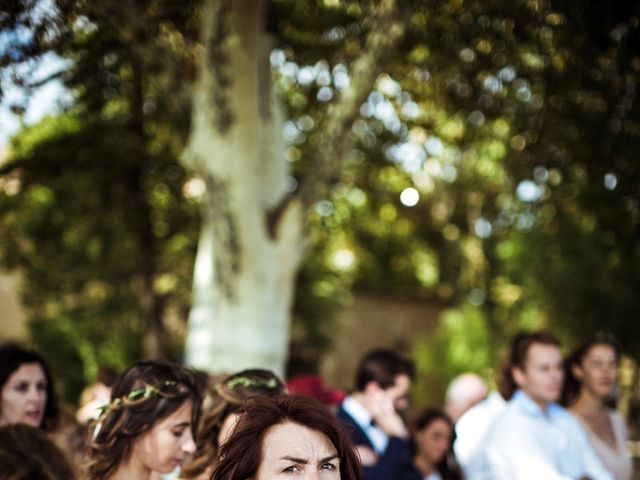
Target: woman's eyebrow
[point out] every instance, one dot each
(183, 424)
(294, 459)
(329, 458)
(305, 461)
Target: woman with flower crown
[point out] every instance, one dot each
(223, 406)
(149, 424)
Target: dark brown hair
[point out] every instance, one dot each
(12, 357)
(241, 455)
(572, 385)
(382, 366)
(26, 453)
(520, 346)
(132, 412)
(447, 467)
(225, 397)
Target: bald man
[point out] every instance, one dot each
(464, 391)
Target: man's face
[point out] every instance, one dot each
(399, 392)
(542, 375)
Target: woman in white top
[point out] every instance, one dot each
(590, 381)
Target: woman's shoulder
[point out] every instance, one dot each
(618, 422)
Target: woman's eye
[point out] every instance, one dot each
(177, 433)
(22, 387)
(41, 386)
(327, 466)
(291, 469)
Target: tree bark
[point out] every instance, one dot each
(244, 275)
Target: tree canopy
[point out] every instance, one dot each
(493, 170)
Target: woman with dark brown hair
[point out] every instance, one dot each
(590, 382)
(432, 448)
(27, 453)
(222, 407)
(287, 437)
(26, 389)
(149, 424)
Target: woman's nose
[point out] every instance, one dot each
(189, 446)
(34, 394)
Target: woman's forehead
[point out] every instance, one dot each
(297, 441)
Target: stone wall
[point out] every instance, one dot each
(375, 321)
(371, 321)
(12, 318)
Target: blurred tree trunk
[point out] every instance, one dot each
(151, 302)
(252, 233)
(244, 273)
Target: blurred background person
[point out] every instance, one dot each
(287, 437)
(27, 392)
(590, 383)
(432, 448)
(27, 453)
(471, 431)
(534, 437)
(463, 392)
(96, 395)
(149, 424)
(222, 407)
(309, 385)
(371, 413)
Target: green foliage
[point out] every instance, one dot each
(461, 343)
(494, 172)
(515, 122)
(94, 207)
(74, 229)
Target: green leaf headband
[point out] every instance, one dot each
(134, 395)
(251, 382)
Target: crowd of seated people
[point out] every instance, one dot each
(551, 419)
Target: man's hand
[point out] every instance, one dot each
(385, 415)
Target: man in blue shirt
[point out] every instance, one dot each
(534, 437)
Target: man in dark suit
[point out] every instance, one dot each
(371, 413)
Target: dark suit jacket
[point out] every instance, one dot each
(392, 463)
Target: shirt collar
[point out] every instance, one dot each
(357, 411)
(525, 403)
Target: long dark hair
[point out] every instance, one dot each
(447, 467)
(146, 393)
(28, 453)
(572, 385)
(241, 455)
(12, 357)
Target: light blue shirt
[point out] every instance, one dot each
(527, 443)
